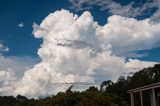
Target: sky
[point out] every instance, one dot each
(48, 45)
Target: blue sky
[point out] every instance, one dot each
(20, 40)
(72, 46)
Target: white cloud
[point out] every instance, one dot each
(17, 64)
(7, 80)
(136, 65)
(135, 35)
(3, 48)
(11, 70)
(78, 50)
(21, 25)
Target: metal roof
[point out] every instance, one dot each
(147, 87)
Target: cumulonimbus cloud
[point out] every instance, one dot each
(76, 50)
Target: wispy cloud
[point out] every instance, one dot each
(115, 8)
(156, 16)
(136, 55)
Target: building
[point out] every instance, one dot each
(153, 89)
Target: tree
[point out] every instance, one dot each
(105, 85)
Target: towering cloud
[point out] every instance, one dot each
(76, 50)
